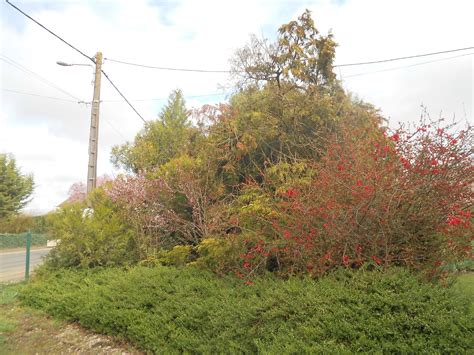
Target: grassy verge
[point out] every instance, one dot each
(465, 287)
(27, 331)
(169, 310)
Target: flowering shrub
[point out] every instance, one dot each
(399, 199)
(178, 206)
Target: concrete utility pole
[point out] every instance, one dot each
(94, 130)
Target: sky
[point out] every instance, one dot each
(46, 128)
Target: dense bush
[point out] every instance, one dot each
(168, 310)
(19, 240)
(292, 175)
(399, 200)
(22, 223)
(91, 234)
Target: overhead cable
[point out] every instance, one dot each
(29, 71)
(408, 66)
(79, 51)
(403, 58)
(123, 96)
(334, 66)
(66, 100)
(51, 32)
(166, 98)
(37, 95)
(167, 68)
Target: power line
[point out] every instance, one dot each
(37, 95)
(334, 66)
(66, 100)
(77, 50)
(166, 98)
(51, 32)
(114, 128)
(123, 96)
(403, 58)
(224, 71)
(42, 79)
(408, 66)
(167, 68)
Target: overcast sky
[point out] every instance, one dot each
(49, 135)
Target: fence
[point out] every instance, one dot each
(9, 241)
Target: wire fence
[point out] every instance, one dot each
(11, 241)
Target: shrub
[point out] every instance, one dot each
(404, 199)
(91, 237)
(176, 205)
(184, 310)
(16, 223)
(180, 255)
(23, 223)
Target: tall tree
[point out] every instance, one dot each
(160, 140)
(301, 57)
(15, 187)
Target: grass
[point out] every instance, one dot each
(465, 287)
(8, 295)
(27, 331)
(171, 310)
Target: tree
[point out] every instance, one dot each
(15, 187)
(160, 140)
(78, 191)
(287, 105)
(300, 56)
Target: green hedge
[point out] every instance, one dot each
(19, 240)
(171, 310)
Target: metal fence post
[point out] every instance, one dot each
(28, 246)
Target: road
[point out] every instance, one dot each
(12, 264)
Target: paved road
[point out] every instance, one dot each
(12, 264)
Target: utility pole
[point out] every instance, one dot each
(94, 129)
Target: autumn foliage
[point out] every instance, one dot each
(382, 199)
(292, 176)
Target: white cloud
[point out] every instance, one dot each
(49, 138)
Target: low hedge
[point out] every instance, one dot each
(19, 240)
(172, 310)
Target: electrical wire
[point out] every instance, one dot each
(334, 66)
(37, 95)
(123, 96)
(51, 32)
(77, 50)
(402, 58)
(225, 71)
(113, 127)
(408, 66)
(166, 98)
(167, 68)
(66, 100)
(42, 79)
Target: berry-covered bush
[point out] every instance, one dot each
(403, 198)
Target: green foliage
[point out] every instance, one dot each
(22, 223)
(15, 187)
(183, 310)
(464, 284)
(218, 254)
(9, 293)
(91, 238)
(8, 241)
(300, 56)
(160, 140)
(178, 256)
(16, 223)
